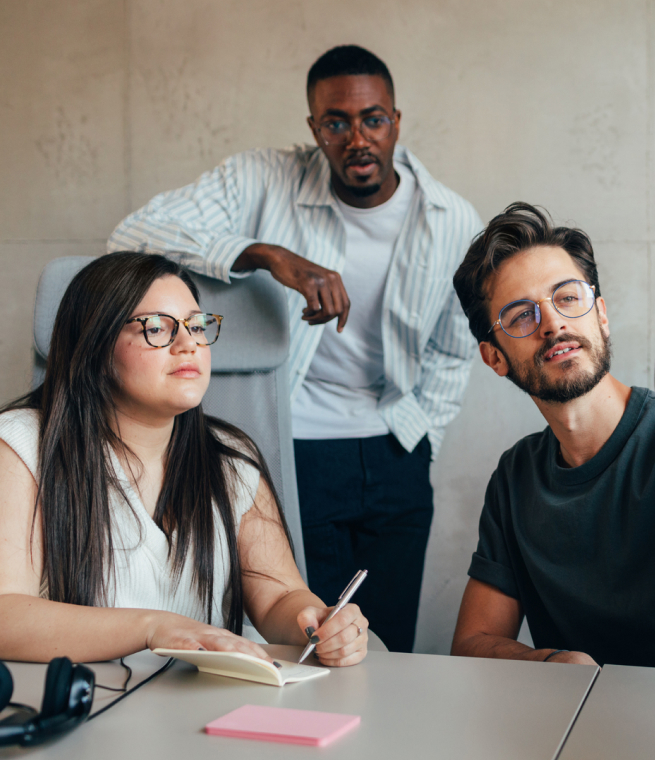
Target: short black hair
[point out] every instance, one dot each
(519, 228)
(347, 60)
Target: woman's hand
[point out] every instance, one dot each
(170, 631)
(342, 640)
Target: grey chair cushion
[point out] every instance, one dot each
(255, 327)
(54, 280)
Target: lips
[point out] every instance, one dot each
(362, 164)
(561, 349)
(362, 161)
(187, 369)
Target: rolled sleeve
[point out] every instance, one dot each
(205, 225)
(495, 574)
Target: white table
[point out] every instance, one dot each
(412, 706)
(617, 720)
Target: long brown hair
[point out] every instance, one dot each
(76, 476)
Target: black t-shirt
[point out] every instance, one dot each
(576, 546)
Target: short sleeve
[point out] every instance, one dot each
(19, 429)
(492, 563)
(244, 489)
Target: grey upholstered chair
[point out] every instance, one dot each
(249, 386)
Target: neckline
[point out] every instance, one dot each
(145, 518)
(405, 175)
(600, 462)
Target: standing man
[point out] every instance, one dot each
(367, 243)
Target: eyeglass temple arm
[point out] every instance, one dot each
(497, 322)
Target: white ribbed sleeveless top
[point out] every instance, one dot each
(142, 575)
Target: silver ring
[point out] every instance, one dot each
(359, 631)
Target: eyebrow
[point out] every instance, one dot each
(552, 289)
(163, 314)
(568, 279)
(363, 112)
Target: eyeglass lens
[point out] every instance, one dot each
(572, 299)
(339, 131)
(159, 329)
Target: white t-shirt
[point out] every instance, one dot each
(340, 394)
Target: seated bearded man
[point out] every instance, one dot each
(567, 529)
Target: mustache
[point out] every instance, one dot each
(550, 343)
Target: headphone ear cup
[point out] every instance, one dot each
(57, 687)
(6, 686)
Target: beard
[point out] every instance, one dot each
(530, 377)
(364, 191)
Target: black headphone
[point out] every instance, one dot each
(67, 700)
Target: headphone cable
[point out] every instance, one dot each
(124, 686)
(127, 692)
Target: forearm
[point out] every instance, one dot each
(497, 647)
(37, 630)
(259, 256)
(197, 225)
(280, 623)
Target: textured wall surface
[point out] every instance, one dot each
(104, 103)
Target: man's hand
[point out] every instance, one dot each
(322, 288)
(575, 658)
(489, 623)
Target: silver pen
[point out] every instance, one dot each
(345, 597)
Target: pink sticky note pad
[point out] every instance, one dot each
(281, 724)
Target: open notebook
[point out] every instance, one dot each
(246, 667)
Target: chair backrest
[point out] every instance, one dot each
(249, 386)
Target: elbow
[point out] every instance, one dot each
(459, 648)
(467, 645)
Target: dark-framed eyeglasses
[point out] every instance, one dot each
(160, 330)
(571, 299)
(339, 131)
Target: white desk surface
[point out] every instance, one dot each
(617, 720)
(412, 706)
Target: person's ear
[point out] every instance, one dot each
(493, 357)
(396, 116)
(603, 320)
(315, 132)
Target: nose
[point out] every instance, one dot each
(357, 139)
(183, 342)
(552, 322)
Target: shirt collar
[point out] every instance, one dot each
(315, 188)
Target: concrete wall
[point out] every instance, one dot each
(104, 103)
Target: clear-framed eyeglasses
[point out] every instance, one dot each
(339, 131)
(160, 330)
(571, 299)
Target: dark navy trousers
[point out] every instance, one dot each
(366, 503)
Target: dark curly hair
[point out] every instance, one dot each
(520, 227)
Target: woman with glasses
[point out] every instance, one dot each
(128, 518)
